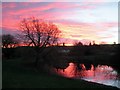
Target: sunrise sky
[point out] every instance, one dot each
(79, 21)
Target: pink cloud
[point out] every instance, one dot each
(109, 24)
(8, 5)
(57, 5)
(10, 23)
(40, 11)
(72, 29)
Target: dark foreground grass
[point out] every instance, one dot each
(16, 75)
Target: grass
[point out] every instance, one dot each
(16, 75)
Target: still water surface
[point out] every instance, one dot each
(101, 74)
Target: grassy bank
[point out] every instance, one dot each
(16, 75)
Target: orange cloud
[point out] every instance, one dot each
(88, 31)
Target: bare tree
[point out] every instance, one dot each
(9, 41)
(39, 34)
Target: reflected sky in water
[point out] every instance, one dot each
(101, 74)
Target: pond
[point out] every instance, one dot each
(102, 74)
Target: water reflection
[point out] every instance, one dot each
(101, 74)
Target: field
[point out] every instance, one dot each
(16, 75)
(19, 70)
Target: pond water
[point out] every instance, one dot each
(101, 74)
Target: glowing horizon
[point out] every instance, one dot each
(78, 21)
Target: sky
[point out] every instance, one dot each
(85, 21)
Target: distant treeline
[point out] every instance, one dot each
(61, 56)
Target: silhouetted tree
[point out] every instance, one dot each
(78, 44)
(40, 34)
(9, 41)
(90, 44)
(63, 44)
(94, 43)
(114, 42)
(58, 44)
(57, 59)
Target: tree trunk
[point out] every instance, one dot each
(36, 57)
(36, 60)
